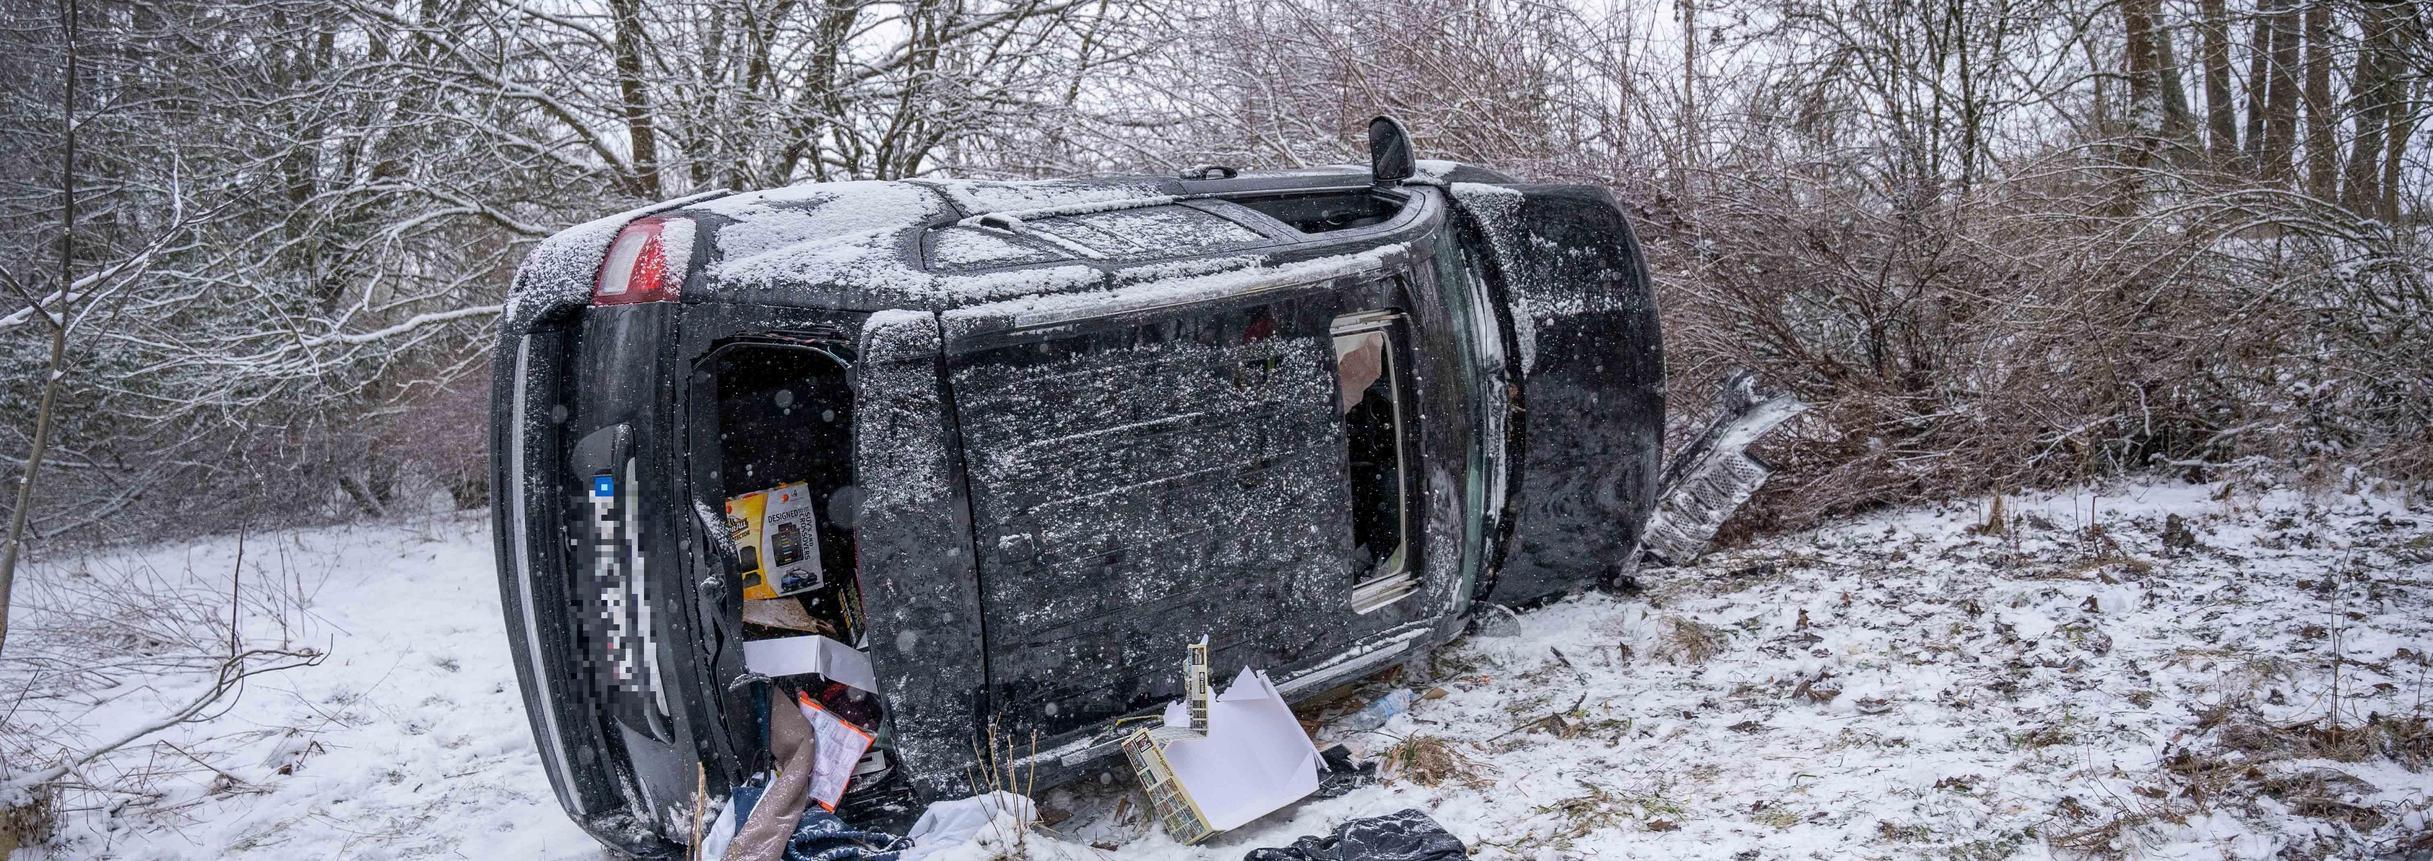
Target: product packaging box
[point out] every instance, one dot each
(776, 532)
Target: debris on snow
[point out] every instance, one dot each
(981, 826)
(1342, 774)
(1404, 835)
(1716, 473)
(1375, 714)
(1219, 762)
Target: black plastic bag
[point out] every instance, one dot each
(1406, 835)
(1341, 775)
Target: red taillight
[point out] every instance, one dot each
(646, 263)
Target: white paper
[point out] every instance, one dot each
(1255, 759)
(836, 746)
(796, 656)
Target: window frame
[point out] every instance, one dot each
(1396, 577)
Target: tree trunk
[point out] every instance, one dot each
(366, 501)
(1689, 96)
(2322, 164)
(1972, 99)
(2221, 114)
(2410, 86)
(2146, 114)
(2370, 98)
(2178, 123)
(2157, 98)
(2402, 131)
(2281, 109)
(2259, 81)
(635, 99)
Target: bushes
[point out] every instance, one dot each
(2021, 337)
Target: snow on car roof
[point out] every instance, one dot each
(860, 244)
(896, 244)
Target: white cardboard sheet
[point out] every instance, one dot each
(1255, 759)
(795, 656)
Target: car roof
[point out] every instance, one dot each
(937, 245)
(874, 245)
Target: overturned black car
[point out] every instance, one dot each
(1017, 443)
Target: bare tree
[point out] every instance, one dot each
(2221, 117)
(362, 177)
(2260, 78)
(2380, 98)
(2281, 105)
(2322, 162)
(54, 316)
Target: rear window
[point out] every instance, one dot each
(784, 453)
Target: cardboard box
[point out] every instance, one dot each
(776, 533)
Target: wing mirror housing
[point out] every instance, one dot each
(1390, 159)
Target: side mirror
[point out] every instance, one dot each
(1390, 152)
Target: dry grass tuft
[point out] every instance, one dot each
(1002, 762)
(1600, 809)
(1431, 760)
(1688, 641)
(27, 821)
(1994, 523)
(2107, 836)
(2254, 758)
(2324, 793)
(2406, 740)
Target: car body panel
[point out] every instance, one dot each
(1590, 369)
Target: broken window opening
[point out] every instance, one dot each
(781, 448)
(1326, 212)
(784, 480)
(1370, 380)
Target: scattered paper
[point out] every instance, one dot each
(1255, 757)
(797, 656)
(836, 747)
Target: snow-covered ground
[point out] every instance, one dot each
(1910, 684)
(407, 740)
